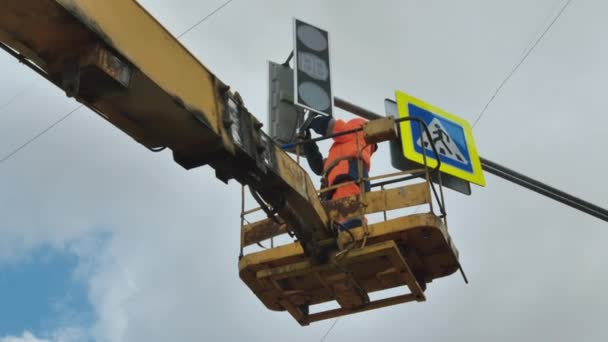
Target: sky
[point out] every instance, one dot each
(103, 240)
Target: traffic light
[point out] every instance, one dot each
(312, 69)
(284, 117)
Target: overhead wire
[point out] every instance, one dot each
(67, 115)
(527, 182)
(496, 92)
(329, 330)
(521, 61)
(22, 146)
(205, 18)
(18, 94)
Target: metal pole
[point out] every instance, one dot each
(354, 109)
(242, 221)
(544, 189)
(503, 172)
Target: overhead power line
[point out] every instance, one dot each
(67, 115)
(523, 59)
(18, 94)
(600, 214)
(329, 330)
(205, 18)
(7, 157)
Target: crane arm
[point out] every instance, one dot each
(116, 59)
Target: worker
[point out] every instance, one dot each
(341, 164)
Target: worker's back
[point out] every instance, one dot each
(342, 163)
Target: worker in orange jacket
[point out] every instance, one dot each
(341, 164)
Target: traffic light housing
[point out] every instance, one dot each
(312, 69)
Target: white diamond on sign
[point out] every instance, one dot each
(451, 135)
(444, 144)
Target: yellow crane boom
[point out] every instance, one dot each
(116, 59)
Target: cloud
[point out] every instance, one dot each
(62, 335)
(166, 268)
(26, 337)
(71, 334)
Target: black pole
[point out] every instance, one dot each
(544, 189)
(503, 172)
(353, 108)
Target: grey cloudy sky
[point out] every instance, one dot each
(158, 245)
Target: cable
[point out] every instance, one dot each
(40, 134)
(329, 330)
(269, 212)
(286, 63)
(10, 155)
(525, 56)
(18, 94)
(205, 18)
(156, 149)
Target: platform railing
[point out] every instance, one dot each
(273, 226)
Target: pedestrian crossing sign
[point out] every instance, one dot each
(451, 135)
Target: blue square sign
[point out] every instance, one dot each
(448, 137)
(452, 137)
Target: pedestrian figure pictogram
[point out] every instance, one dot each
(444, 144)
(451, 137)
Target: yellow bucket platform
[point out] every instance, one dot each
(407, 251)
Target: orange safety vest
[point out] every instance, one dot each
(341, 164)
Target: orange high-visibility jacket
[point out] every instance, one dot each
(341, 164)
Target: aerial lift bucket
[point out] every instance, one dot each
(405, 252)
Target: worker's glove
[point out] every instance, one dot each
(320, 124)
(305, 134)
(306, 125)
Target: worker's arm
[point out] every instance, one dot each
(325, 125)
(314, 157)
(322, 125)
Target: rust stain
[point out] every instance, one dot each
(343, 207)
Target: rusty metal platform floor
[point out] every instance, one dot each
(408, 251)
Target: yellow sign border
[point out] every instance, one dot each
(410, 152)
